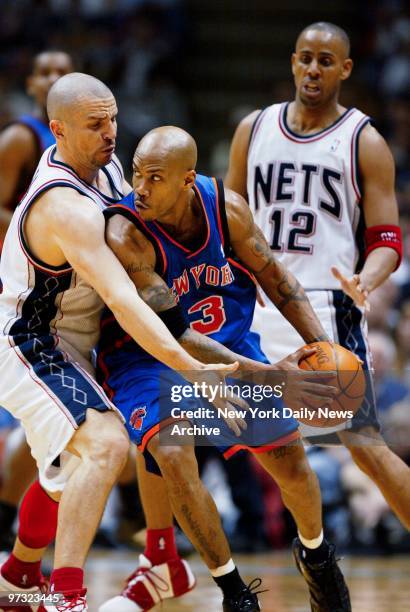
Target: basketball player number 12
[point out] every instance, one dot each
(304, 223)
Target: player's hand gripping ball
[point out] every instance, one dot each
(349, 379)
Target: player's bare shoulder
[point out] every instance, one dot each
(240, 142)
(374, 152)
(63, 207)
(236, 175)
(122, 234)
(246, 124)
(238, 214)
(62, 216)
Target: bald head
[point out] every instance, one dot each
(72, 89)
(332, 30)
(171, 144)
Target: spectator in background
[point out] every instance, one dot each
(373, 525)
(22, 143)
(402, 333)
(397, 428)
(381, 301)
(388, 387)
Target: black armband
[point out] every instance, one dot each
(175, 319)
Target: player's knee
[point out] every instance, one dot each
(294, 472)
(108, 450)
(298, 472)
(176, 462)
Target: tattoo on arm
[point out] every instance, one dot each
(134, 268)
(322, 338)
(158, 297)
(151, 288)
(289, 290)
(261, 249)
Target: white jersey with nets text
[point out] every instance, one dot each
(304, 193)
(39, 299)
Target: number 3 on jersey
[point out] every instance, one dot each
(213, 315)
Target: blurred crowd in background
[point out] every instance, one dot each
(139, 48)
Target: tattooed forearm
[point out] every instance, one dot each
(261, 249)
(321, 338)
(200, 538)
(134, 268)
(158, 297)
(289, 290)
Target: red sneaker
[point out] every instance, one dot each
(151, 584)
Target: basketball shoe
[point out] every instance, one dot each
(8, 587)
(71, 601)
(327, 587)
(245, 600)
(151, 584)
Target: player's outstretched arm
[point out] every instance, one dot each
(80, 236)
(380, 209)
(249, 244)
(138, 258)
(17, 150)
(236, 177)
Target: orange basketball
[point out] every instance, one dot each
(350, 380)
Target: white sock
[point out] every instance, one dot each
(315, 543)
(227, 568)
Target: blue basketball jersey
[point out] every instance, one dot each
(218, 295)
(41, 130)
(215, 291)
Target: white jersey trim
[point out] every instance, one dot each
(354, 154)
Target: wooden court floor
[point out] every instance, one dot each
(377, 584)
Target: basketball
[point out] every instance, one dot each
(349, 379)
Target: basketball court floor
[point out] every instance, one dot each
(377, 584)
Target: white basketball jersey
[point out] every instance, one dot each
(305, 196)
(37, 299)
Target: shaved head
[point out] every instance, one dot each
(71, 90)
(333, 31)
(170, 143)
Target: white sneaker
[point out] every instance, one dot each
(71, 601)
(7, 588)
(151, 584)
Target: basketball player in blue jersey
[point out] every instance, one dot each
(21, 146)
(57, 272)
(320, 183)
(23, 141)
(191, 248)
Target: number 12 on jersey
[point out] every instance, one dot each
(292, 238)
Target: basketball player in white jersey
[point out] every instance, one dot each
(320, 183)
(57, 271)
(21, 145)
